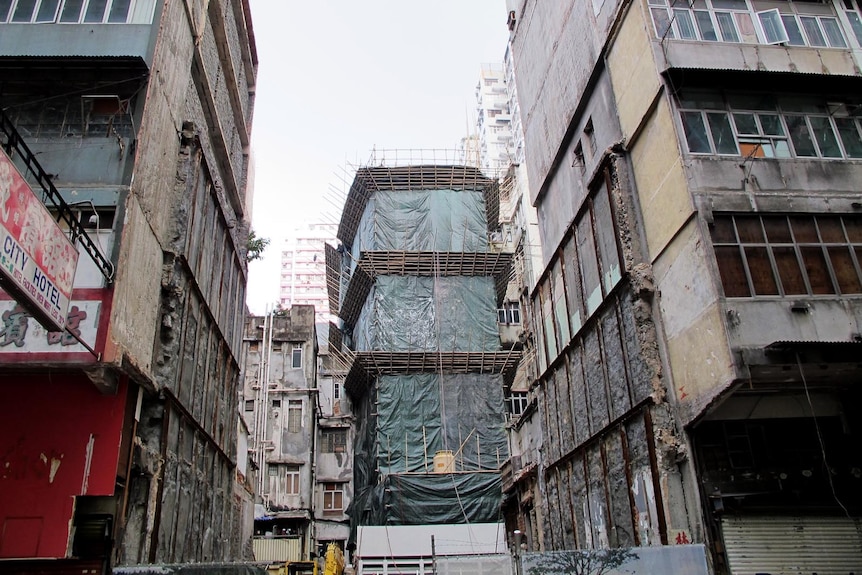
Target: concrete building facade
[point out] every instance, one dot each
(299, 438)
(131, 121)
(695, 169)
(303, 268)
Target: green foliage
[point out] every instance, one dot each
(255, 247)
(595, 562)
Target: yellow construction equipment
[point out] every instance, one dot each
(334, 560)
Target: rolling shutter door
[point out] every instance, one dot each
(792, 545)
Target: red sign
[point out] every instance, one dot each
(37, 260)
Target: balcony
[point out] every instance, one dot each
(799, 37)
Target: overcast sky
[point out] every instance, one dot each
(338, 78)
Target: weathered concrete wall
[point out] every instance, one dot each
(183, 277)
(555, 46)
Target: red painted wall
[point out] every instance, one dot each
(59, 437)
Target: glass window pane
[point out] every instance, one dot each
(722, 134)
(705, 26)
(71, 11)
(745, 26)
(695, 132)
(804, 230)
(722, 231)
(573, 283)
(730, 4)
(818, 272)
(750, 231)
(589, 265)
(854, 229)
(830, 229)
(119, 11)
(812, 30)
(95, 11)
(607, 241)
(855, 24)
(745, 124)
(47, 11)
(777, 230)
(24, 11)
(789, 271)
(800, 136)
(794, 34)
(662, 23)
(5, 5)
(771, 124)
(760, 268)
(732, 272)
(833, 32)
(782, 149)
(727, 27)
(849, 132)
(773, 27)
(825, 136)
(684, 24)
(845, 271)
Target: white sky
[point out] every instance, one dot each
(336, 79)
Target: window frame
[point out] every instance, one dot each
(294, 423)
(333, 494)
(333, 440)
(59, 16)
(292, 479)
(817, 128)
(296, 358)
(799, 250)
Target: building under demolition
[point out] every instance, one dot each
(418, 287)
(696, 171)
(118, 378)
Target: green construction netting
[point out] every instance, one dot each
(411, 313)
(421, 414)
(422, 220)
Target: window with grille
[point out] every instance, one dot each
(294, 415)
(517, 402)
(788, 255)
(333, 440)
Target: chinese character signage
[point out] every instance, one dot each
(37, 260)
(20, 334)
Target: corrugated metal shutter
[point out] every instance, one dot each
(793, 545)
(277, 550)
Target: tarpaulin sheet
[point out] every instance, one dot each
(415, 421)
(411, 313)
(423, 220)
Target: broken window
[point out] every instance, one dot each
(788, 255)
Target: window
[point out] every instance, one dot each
(66, 11)
(294, 415)
(590, 134)
(333, 440)
(276, 403)
(761, 126)
(272, 470)
(737, 21)
(517, 402)
(510, 313)
(249, 405)
(333, 498)
(788, 255)
(291, 479)
(579, 160)
(296, 356)
(336, 390)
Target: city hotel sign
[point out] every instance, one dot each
(37, 260)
